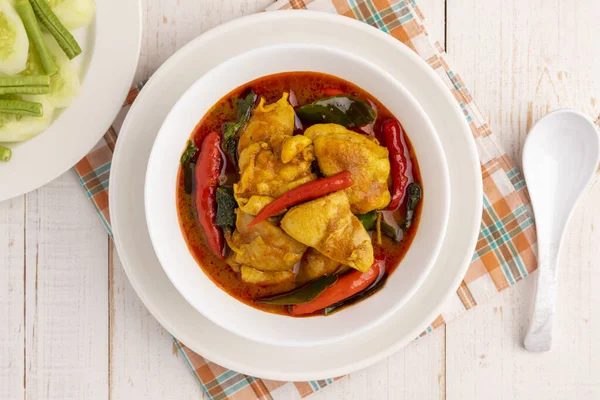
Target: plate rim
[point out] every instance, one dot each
(274, 372)
(32, 178)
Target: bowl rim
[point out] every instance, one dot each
(439, 238)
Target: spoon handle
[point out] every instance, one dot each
(539, 335)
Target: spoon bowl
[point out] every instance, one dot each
(560, 158)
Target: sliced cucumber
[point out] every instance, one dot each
(16, 128)
(14, 44)
(74, 14)
(64, 85)
(34, 66)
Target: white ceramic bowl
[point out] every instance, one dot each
(183, 270)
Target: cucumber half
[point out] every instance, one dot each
(74, 14)
(17, 128)
(14, 44)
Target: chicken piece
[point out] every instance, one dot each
(268, 120)
(292, 146)
(314, 265)
(338, 149)
(271, 160)
(328, 225)
(263, 246)
(262, 278)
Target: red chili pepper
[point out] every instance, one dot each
(307, 191)
(208, 167)
(346, 286)
(393, 137)
(330, 92)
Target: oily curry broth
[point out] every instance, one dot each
(308, 87)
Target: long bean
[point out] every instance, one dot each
(34, 33)
(63, 37)
(31, 84)
(21, 107)
(5, 154)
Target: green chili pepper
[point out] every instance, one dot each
(369, 220)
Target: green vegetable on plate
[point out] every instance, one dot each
(14, 45)
(74, 14)
(18, 128)
(343, 110)
(31, 84)
(34, 32)
(305, 294)
(5, 154)
(63, 37)
(226, 206)
(21, 107)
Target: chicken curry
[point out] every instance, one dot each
(299, 193)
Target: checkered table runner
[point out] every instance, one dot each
(505, 252)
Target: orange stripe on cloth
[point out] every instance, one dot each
(304, 389)
(476, 270)
(439, 321)
(260, 389)
(298, 4)
(343, 8)
(465, 296)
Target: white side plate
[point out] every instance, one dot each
(111, 48)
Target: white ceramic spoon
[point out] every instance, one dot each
(560, 158)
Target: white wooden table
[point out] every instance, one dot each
(73, 328)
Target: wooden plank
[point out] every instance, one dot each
(144, 362)
(434, 12)
(521, 60)
(66, 302)
(12, 294)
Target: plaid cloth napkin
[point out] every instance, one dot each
(505, 251)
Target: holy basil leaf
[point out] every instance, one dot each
(189, 153)
(189, 172)
(231, 130)
(226, 206)
(343, 110)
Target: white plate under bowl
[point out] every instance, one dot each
(111, 48)
(170, 245)
(127, 189)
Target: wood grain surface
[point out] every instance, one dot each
(73, 328)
